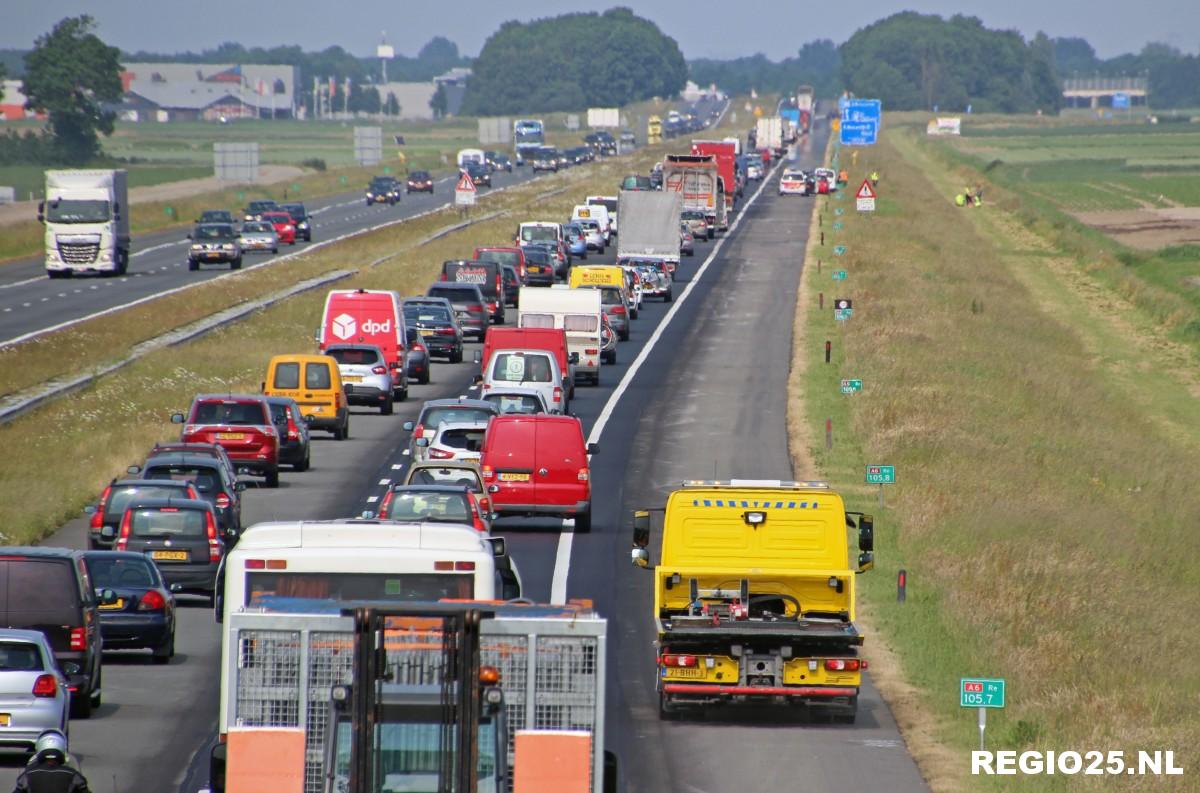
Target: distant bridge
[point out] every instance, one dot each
(1097, 92)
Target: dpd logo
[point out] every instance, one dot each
(371, 327)
(344, 326)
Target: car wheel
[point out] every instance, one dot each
(456, 357)
(165, 651)
(273, 477)
(339, 432)
(237, 264)
(633, 313)
(274, 250)
(192, 265)
(388, 407)
(623, 335)
(402, 395)
(583, 521)
(424, 379)
(304, 464)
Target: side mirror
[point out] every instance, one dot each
(189, 235)
(422, 442)
(478, 356)
(477, 380)
(90, 509)
(866, 533)
(866, 561)
(262, 386)
(574, 358)
(367, 514)
(317, 335)
(640, 557)
(176, 418)
(641, 528)
(108, 532)
(499, 547)
(510, 585)
(308, 419)
(493, 488)
(409, 426)
(41, 215)
(240, 487)
(593, 448)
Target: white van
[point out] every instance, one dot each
(475, 155)
(535, 369)
(576, 311)
(609, 202)
(598, 213)
(539, 231)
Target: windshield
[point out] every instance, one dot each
(504, 257)
(120, 573)
(516, 403)
(242, 413)
(521, 368)
(395, 587)
(356, 356)
(257, 228)
(409, 755)
(214, 233)
(466, 477)
(261, 206)
(430, 505)
(67, 210)
(120, 498)
(470, 440)
(456, 295)
(18, 656)
(539, 234)
(427, 315)
(609, 203)
(205, 479)
(436, 416)
(168, 522)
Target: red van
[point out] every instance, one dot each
(552, 340)
(369, 316)
(538, 465)
(513, 256)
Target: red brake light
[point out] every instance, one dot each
(255, 564)
(438, 454)
(45, 686)
(222, 501)
(476, 520)
(583, 475)
(123, 535)
(680, 661)
(465, 566)
(618, 309)
(488, 473)
(475, 307)
(152, 601)
(590, 351)
(214, 545)
(78, 639)
(378, 370)
(842, 665)
(97, 521)
(557, 394)
(386, 504)
(293, 430)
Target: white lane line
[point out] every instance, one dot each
(405, 452)
(372, 499)
(397, 466)
(385, 481)
(562, 558)
(22, 283)
(158, 248)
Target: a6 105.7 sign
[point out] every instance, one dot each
(981, 692)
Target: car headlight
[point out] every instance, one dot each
(302, 224)
(197, 247)
(228, 246)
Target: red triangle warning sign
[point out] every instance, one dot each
(865, 190)
(465, 185)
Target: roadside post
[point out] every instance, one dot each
(881, 475)
(464, 194)
(843, 308)
(981, 693)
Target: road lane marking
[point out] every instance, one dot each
(562, 558)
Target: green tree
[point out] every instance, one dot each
(70, 74)
(3, 77)
(393, 105)
(438, 102)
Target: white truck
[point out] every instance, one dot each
(649, 226)
(86, 214)
(577, 312)
(278, 685)
(768, 134)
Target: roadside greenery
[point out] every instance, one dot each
(818, 64)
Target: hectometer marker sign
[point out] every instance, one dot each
(981, 692)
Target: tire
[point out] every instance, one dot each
(274, 250)
(668, 297)
(403, 395)
(163, 654)
(387, 408)
(346, 427)
(55, 274)
(122, 262)
(456, 357)
(304, 464)
(583, 521)
(623, 336)
(633, 313)
(193, 265)
(236, 264)
(339, 432)
(666, 712)
(424, 379)
(273, 477)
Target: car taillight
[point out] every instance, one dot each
(488, 473)
(445, 331)
(385, 505)
(78, 639)
(438, 454)
(45, 686)
(123, 535)
(476, 520)
(379, 370)
(97, 521)
(618, 309)
(582, 476)
(293, 430)
(680, 661)
(214, 545)
(589, 351)
(152, 601)
(557, 394)
(475, 307)
(223, 501)
(844, 664)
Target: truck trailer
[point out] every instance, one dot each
(649, 226)
(86, 214)
(695, 178)
(726, 154)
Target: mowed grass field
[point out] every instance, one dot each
(1043, 437)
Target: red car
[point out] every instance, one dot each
(285, 227)
(241, 425)
(537, 465)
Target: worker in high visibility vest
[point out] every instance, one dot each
(843, 177)
(874, 178)
(960, 200)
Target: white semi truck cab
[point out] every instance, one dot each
(86, 214)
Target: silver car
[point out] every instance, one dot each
(365, 375)
(33, 691)
(258, 235)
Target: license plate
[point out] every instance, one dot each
(214, 255)
(5, 719)
(352, 378)
(514, 477)
(119, 604)
(169, 556)
(231, 436)
(692, 673)
(428, 333)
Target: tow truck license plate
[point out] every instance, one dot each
(689, 672)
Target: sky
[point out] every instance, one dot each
(703, 28)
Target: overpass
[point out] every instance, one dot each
(1097, 92)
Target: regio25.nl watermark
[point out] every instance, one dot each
(1071, 763)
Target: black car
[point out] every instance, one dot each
(470, 306)
(49, 590)
(434, 320)
(539, 265)
(255, 209)
(217, 482)
(499, 161)
(383, 190)
(546, 159)
(181, 537)
(479, 173)
(215, 243)
(419, 182)
(417, 358)
(143, 614)
(294, 442)
(216, 216)
(107, 512)
(512, 284)
(300, 219)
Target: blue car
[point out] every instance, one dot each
(143, 615)
(576, 240)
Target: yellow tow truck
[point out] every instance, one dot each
(653, 130)
(754, 596)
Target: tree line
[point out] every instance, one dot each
(1173, 76)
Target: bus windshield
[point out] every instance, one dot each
(398, 587)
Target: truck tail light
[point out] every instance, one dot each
(123, 535)
(583, 475)
(589, 351)
(680, 661)
(45, 686)
(488, 473)
(844, 665)
(214, 545)
(475, 307)
(97, 521)
(78, 639)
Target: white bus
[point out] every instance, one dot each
(576, 311)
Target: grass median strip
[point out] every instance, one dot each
(1042, 508)
(72, 447)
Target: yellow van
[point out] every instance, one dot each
(315, 382)
(598, 275)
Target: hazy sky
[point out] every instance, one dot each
(703, 28)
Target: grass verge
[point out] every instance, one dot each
(1040, 492)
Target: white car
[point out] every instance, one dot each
(34, 691)
(534, 369)
(754, 171)
(793, 183)
(258, 235)
(593, 235)
(456, 440)
(517, 400)
(365, 376)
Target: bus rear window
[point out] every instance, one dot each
(399, 587)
